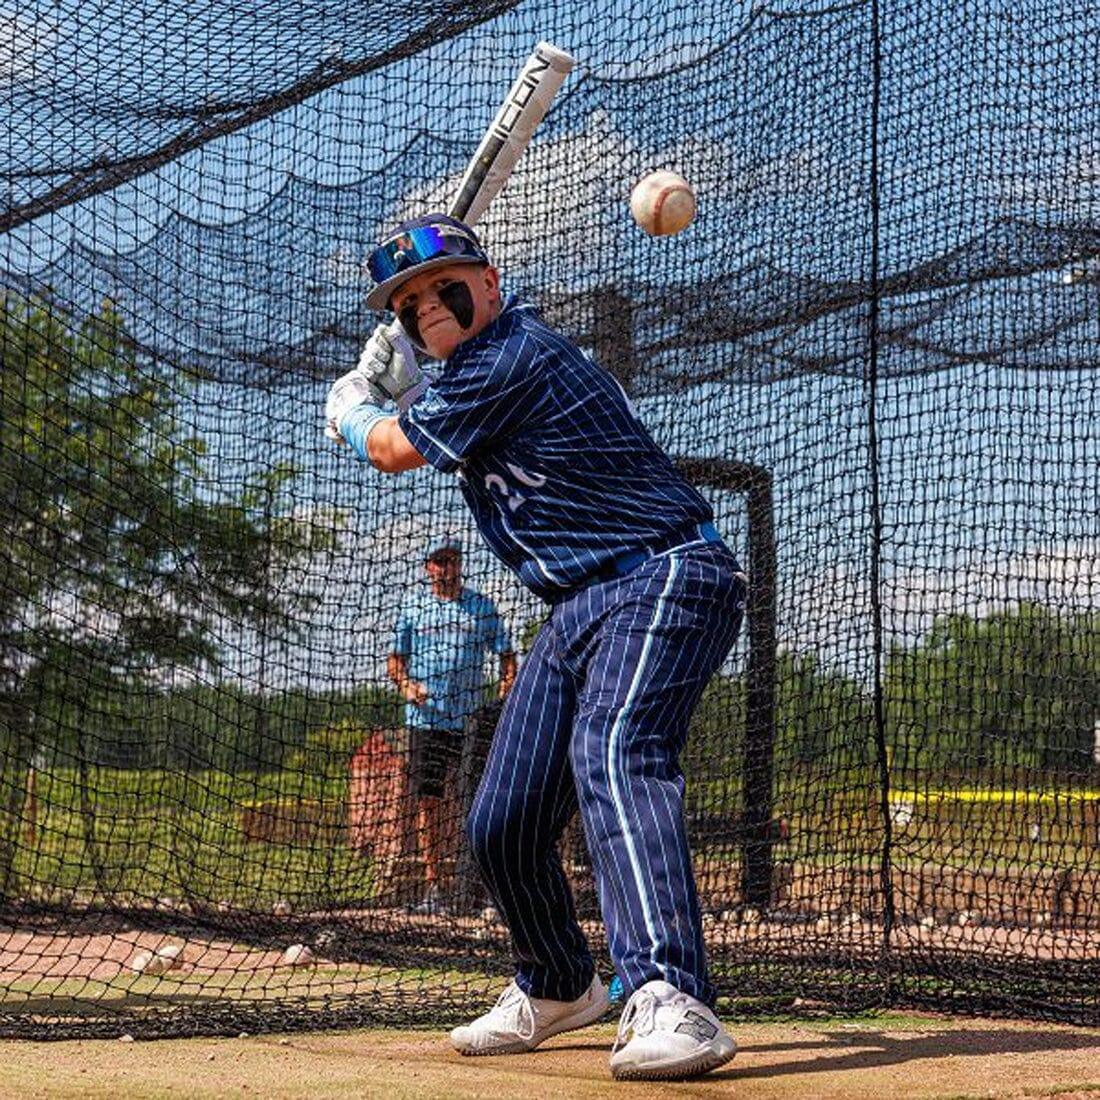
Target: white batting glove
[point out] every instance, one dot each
(389, 361)
(348, 392)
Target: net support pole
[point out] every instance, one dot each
(757, 768)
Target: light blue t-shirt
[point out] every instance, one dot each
(445, 644)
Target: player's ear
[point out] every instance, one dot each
(491, 280)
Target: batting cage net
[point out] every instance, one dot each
(874, 352)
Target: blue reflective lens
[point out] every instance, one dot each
(417, 246)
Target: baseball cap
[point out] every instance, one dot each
(416, 246)
(444, 545)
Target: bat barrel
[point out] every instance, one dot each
(560, 61)
(522, 110)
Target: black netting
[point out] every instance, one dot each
(99, 97)
(874, 352)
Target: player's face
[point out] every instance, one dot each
(442, 308)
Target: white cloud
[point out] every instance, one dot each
(569, 198)
(579, 169)
(1070, 186)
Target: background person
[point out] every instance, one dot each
(442, 638)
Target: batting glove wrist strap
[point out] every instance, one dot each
(348, 393)
(413, 394)
(357, 426)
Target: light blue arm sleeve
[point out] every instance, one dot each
(356, 426)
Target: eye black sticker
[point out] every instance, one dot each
(457, 298)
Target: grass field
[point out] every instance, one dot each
(147, 834)
(144, 834)
(862, 1058)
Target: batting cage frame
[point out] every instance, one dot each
(872, 351)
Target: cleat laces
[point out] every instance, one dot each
(639, 1016)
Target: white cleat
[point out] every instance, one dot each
(518, 1023)
(665, 1034)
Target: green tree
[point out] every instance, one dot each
(206, 726)
(1019, 688)
(120, 554)
(821, 715)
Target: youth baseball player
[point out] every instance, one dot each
(571, 492)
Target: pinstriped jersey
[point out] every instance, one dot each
(561, 476)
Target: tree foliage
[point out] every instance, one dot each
(120, 554)
(215, 727)
(821, 717)
(1021, 687)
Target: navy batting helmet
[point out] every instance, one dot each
(419, 245)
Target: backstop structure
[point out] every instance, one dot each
(874, 351)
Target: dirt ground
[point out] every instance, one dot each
(871, 1057)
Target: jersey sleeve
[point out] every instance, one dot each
(482, 396)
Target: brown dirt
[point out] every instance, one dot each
(890, 1056)
(106, 955)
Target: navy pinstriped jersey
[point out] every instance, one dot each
(561, 476)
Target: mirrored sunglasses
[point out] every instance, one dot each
(417, 246)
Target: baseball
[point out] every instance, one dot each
(159, 962)
(282, 908)
(140, 962)
(297, 954)
(662, 203)
(326, 939)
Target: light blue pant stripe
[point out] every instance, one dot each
(616, 764)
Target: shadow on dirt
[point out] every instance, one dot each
(870, 1048)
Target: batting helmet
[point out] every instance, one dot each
(416, 246)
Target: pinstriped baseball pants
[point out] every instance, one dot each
(597, 717)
